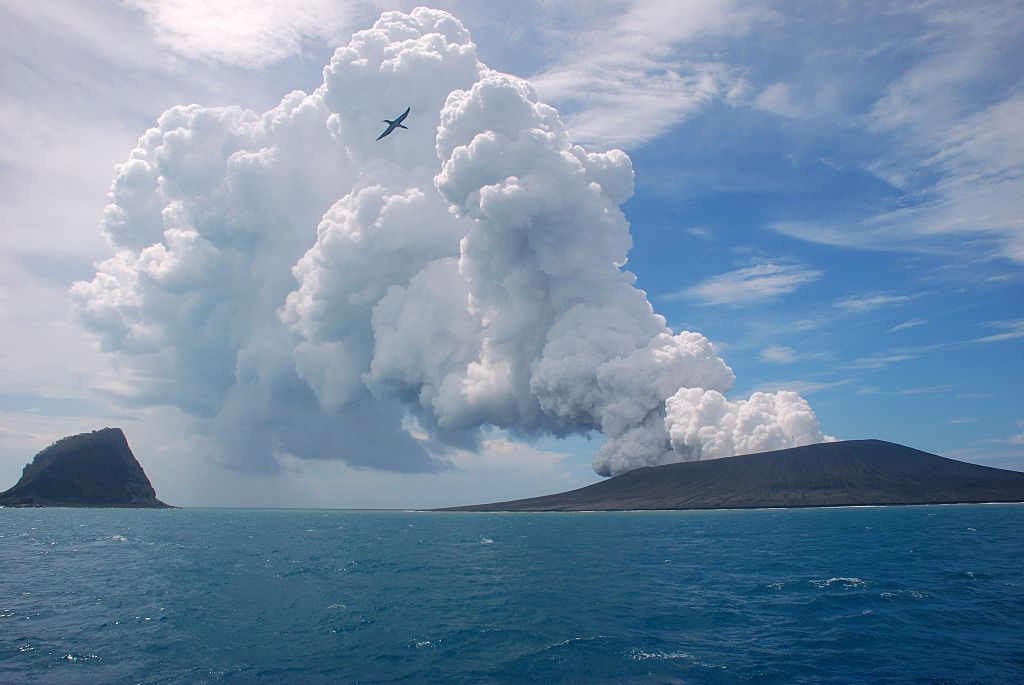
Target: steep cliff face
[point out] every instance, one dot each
(94, 469)
(829, 474)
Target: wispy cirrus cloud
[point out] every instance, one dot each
(241, 32)
(926, 390)
(1012, 329)
(972, 395)
(865, 303)
(778, 99)
(929, 390)
(784, 355)
(778, 354)
(643, 71)
(879, 361)
(910, 323)
(945, 134)
(750, 285)
(979, 188)
(702, 232)
(803, 387)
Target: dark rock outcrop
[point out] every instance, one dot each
(94, 469)
(853, 472)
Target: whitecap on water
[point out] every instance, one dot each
(640, 655)
(844, 583)
(79, 657)
(913, 594)
(563, 643)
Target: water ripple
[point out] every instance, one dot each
(796, 596)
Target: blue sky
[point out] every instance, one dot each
(832, 194)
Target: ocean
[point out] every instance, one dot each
(931, 594)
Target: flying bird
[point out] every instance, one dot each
(397, 123)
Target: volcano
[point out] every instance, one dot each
(831, 474)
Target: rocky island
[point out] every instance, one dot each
(94, 469)
(852, 472)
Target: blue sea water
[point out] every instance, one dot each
(856, 595)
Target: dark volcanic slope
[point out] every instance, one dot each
(829, 474)
(94, 469)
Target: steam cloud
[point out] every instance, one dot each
(464, 273)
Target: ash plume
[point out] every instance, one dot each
(301, 288)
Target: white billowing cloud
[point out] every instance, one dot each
(750, 285)
(245, 33)
(304, 290)
(703, 424)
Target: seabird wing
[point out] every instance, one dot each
(397, 123)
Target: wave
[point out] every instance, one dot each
(842, 582)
